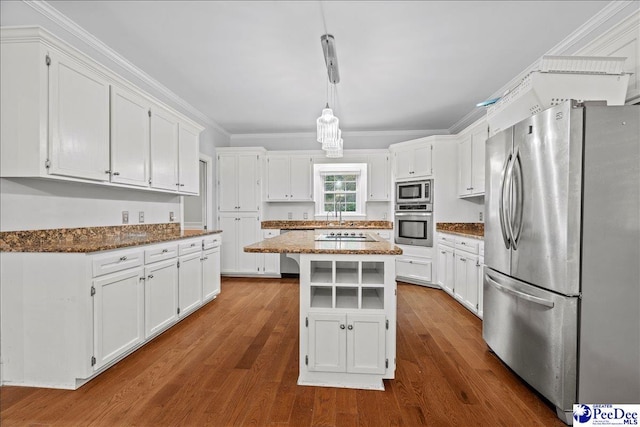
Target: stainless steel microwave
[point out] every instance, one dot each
(414, 191)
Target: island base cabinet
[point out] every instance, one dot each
(118, 314)
(161, 296)
(354, 343)
(347, 320)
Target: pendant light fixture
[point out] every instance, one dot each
(328, 129)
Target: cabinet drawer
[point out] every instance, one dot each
(413, 268)
(160, 253)
(117, 261)
(467, 245)
(267, 234)
(189, 247)
(446, 239)
(210, 242)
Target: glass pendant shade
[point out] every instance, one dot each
(332, 144)
(327, 125)
(337, 152)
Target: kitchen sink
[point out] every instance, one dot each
(339, 237)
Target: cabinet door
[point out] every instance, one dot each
(210, 274)
(229, 247)
(248, 233)
(464, 166)
(472, 285)
(227, 182)
(160, 296)
(271, 261)
(188, 159)
(478, 141)
(300, 171)
(78, 120)
(327, 342)
(479, 278)
(164, 150)
(248, 180)
(442, 266)
(460, 281)
(422, 165)
(379, 179)
(414, 268)
(190, 283)
(366, 343)
(278, 188)
(129, 138)
(118, 310)
(404, 163)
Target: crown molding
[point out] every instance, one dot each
(583, 33)
(404, 133)
(51, 13)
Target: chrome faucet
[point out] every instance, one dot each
(338, 205)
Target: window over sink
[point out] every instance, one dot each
(340, 188)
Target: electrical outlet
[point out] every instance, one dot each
(141, 217)
(480, 216)
(384, 216)
(290, 215)
(125, 217)
(305, 215)
(172, 217)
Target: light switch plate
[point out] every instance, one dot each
(305, 215)
(290, 215)
(141, 217)
(172, 217)
(125, 217)
(480, 216)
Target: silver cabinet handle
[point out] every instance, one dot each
(142, 278)
(341, 326)
(150, 276)
(123, 258)
(463, 259)
(164, 251)
(193, 244)
(463, 243)
(519, 294)
(116, 173)
(350, 327)
(107, 172)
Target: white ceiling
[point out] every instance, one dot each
(257, 66)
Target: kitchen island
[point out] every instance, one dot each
(347, 307)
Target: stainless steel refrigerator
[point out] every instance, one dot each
(562, 253)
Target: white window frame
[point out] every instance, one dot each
(358, 169)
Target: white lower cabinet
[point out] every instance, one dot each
(161, 296)
(189, 283)
(414, 269)
(446, 268)
(69, 316)
(210, 274)
(460, 262)
(271, 262)
(352, 343)
(118, 307)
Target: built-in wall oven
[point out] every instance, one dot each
(414, 224)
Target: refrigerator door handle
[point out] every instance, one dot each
(501, 205)
(519, 294)
(509, 187)
(519, 195)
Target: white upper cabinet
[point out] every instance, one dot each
(289, 178)
(129, 138)
(379, 178)
(66, 117)
(238, 181)
(471, 163)
(188, 159)
(414, 161)
(78, 120)
(164, 150)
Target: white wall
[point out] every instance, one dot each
(31, 204)
(280, 210)
(307, 141)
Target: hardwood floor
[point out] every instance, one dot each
(235, 362)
